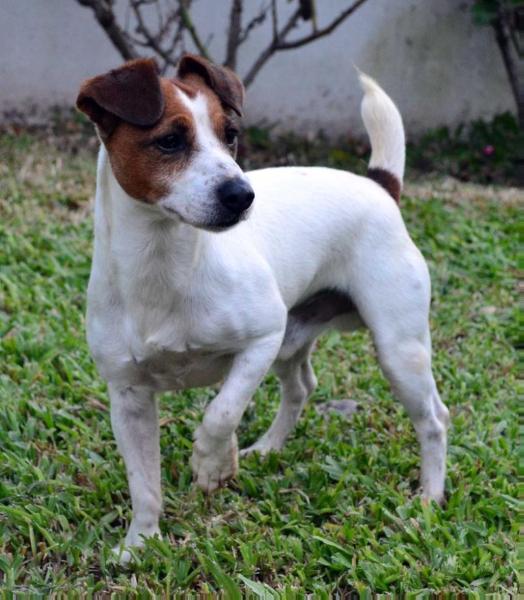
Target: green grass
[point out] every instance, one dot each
(336, 511)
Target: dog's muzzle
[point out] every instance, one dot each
(236, 195)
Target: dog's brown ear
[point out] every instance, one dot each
(226, 85)
(130, 93)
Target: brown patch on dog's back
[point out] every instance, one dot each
(387, 180)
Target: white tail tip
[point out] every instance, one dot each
(384, 126)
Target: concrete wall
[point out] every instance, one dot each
(427, 54)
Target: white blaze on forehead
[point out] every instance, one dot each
(205, 135)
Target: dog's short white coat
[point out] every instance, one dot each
(171, 305)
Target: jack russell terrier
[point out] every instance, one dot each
(194, 283)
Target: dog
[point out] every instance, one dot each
(194, 283)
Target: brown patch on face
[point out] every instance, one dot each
(136, 111)
(218, 84)
(221, 80)
(143, 170)
(387, 180)
(223, 120)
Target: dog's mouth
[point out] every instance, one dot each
(219, 221)
(224, 224)
(224, 219)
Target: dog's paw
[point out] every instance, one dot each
(121, 555)
(427, 499)
(134, 540)
(262, 447)
(212, 462)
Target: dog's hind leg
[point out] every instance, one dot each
(306, 321)
(298, 382)
(407, 365)
(395, 307)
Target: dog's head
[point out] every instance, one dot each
(172, 142)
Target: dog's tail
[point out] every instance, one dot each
(386, 133)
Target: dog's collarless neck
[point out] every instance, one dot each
(151, 252)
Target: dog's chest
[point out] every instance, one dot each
(167, 370)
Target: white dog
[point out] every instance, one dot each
(193, 283)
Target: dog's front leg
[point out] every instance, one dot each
(215, 450)
(135, 426)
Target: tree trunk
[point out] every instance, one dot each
(512, 61)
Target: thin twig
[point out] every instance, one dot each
(172, 17)
(233, 36)
(321, 32)
(274, 18)
(178, 39)
(271, 49)
(160, 18)
(149, 37)
(188, 24)
(106, 17)
(255, 22)
(515, 76)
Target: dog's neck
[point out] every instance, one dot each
(152, 256)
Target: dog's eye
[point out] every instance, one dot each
(169, 144)
(231, 135)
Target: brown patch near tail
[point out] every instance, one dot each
(387, 180)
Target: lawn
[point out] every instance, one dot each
(337, 510)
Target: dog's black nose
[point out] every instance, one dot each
(236, 194)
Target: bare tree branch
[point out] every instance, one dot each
(188, 24)
(172, 18)
(233, 36)
(167, 37)
(268, 52)
(274, 18)
(178, 40)
(255, 22)
(321, 32)
(151, 39)
(106, 17)
(512, 64)
(314, 15)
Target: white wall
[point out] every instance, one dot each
(438, 66)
